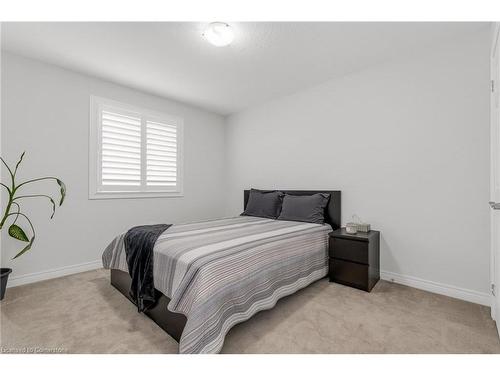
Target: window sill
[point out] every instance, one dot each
(135, 195)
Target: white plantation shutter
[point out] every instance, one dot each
(121, 149)
(133, 152)
(161, 154)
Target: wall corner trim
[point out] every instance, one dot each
(53, 273)
(438, 288)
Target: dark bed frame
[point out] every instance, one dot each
(173, 323)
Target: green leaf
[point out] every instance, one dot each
(26, 248)
(63, 191)
(16, 232)
(53, 206)
(20, 160)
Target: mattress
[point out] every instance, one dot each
(219, 273)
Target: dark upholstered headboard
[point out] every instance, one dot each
(332, 210)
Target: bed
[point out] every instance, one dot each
(212, 275)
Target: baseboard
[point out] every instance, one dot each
(414, 282)
(494, 312)
(434, 287)
(53, 273)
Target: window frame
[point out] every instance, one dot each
(96, 190)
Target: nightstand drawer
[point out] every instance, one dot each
(355, 251)
(348, 273)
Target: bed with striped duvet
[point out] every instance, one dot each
(219, 273)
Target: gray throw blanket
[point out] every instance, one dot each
(139, 243)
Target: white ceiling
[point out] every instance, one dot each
(265, 61)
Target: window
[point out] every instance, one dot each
(133, 152)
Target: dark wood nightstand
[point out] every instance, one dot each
(355, 258)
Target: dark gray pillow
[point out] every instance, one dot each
(264, 203)
(308, 208)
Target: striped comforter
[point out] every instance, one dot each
(219, 273)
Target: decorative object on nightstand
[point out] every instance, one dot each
(355, 258)
(351, 228)
(359, 224)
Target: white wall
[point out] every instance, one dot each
(407, 142)
(45, 111)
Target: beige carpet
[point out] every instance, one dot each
(83, 314)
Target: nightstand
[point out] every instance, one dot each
(355, 258)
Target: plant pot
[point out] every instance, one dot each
(4, 276)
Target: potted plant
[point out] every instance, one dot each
(13, 212)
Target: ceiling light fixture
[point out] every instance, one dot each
(219, 34)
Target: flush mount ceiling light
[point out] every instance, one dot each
(219, 34)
